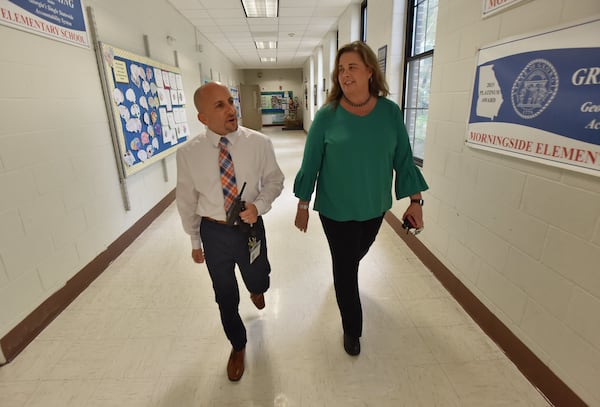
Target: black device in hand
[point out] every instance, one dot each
(237, 206)
(410, 223)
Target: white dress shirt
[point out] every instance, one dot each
(199, 191)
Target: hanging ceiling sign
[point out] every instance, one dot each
(537, 98)
(61, 20)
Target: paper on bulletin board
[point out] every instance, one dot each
(145, 97)
(236, 100)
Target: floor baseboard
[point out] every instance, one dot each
(538, 374)
(27, 330)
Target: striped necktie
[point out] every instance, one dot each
(227, 173)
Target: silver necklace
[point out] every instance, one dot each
(357, 104)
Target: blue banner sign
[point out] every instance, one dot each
(62, 20)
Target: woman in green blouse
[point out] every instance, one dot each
(355, 144)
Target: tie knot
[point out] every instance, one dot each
(223, 142)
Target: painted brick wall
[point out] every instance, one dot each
(523, 237)
(61, 203)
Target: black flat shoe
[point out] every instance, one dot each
(351, 345)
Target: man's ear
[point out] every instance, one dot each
(201, 118)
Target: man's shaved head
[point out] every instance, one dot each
(215, 107)
(202, 91)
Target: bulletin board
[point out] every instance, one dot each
(148, 108)
(274, 106)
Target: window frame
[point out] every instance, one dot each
(363, 21)
(409, 58)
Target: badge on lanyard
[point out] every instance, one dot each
(253, 245)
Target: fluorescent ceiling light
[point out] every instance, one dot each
(266, 44)
(268, 59)
(261, 8)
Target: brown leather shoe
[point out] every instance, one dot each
(258, 300)
(235, 365)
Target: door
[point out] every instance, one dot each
(250, 105)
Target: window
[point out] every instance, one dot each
(420, 42)
(363, 21)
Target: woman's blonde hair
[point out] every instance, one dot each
(377, 85)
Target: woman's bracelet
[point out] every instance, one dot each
(302, 206)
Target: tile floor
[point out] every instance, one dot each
(147, 331)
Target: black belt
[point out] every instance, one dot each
(220, 222)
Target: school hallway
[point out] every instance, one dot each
(147, 331)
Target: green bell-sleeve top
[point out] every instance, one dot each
(352, 159)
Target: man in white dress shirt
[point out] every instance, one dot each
(201, 205)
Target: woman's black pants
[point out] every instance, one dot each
(349, 242)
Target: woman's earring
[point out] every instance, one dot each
(370, 79)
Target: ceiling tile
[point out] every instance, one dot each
(221, 4)
(296, 12)
(194, 13)
(183, 4)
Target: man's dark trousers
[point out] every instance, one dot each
(224, 247)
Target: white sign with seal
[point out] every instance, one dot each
(536, 98)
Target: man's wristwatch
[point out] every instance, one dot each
(418, 201)
(302, 206)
